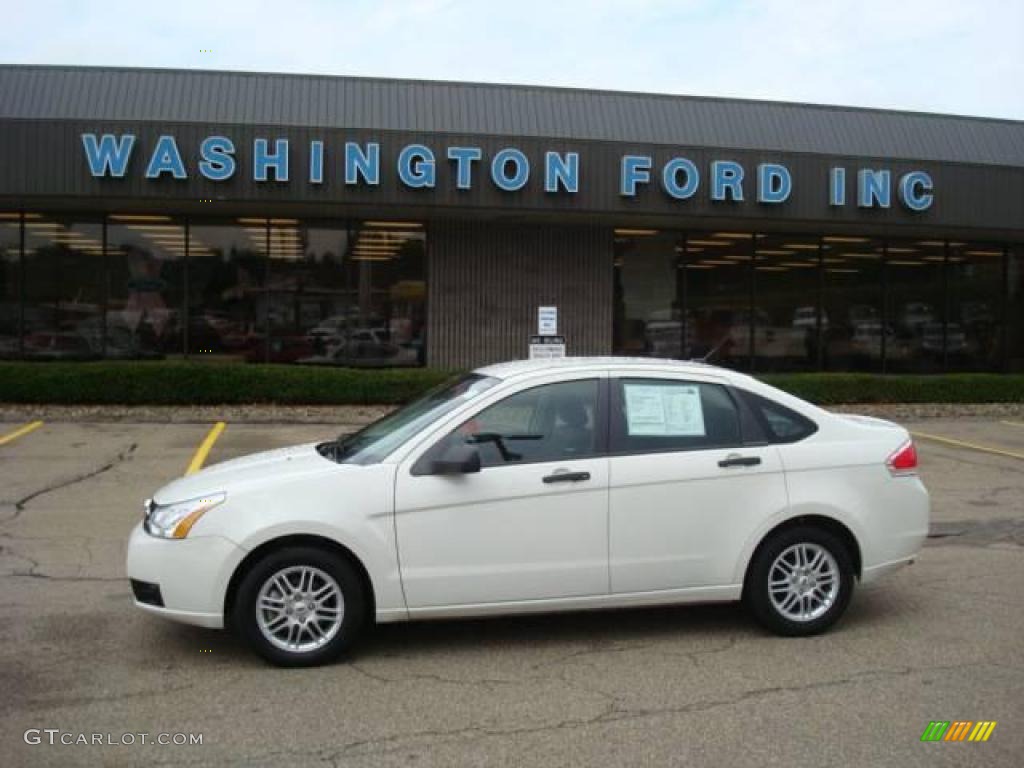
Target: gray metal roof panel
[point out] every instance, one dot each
(114, 94)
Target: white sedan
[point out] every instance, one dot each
(539, 486)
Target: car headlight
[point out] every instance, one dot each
(174, 521)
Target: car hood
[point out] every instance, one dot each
(246, 473)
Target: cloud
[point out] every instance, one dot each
(936, 56)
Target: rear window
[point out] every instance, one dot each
(781, 424)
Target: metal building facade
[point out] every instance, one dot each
(494, 256)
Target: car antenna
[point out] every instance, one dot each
(711, 351)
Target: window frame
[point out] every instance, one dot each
(750, 400)
(617, 421)
(422, 465)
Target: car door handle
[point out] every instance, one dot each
(739, 461)
(567, 477)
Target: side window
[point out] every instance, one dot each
(655, 415)
(781, 424)
(552, 422)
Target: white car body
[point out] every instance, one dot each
(646, 529)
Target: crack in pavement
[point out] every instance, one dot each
(120, 696)
(33, 570)
(978, 532)
(612, 713)
(434, 678)
(106, 466)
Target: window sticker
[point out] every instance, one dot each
(659, 409)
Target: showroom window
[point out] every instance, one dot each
(718, 297)
(227, 300)
(1015, 308)
(976, 328)
(786, 288)
(853, 331)
(648, 319)
(10, 285)
(145, 286)
(836, 302)
(915, 310)
(64, 288)
(350, 295)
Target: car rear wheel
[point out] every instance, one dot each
(300, 606)
(800, 581)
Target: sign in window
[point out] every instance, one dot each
(664, 409)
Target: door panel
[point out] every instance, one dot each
(503, 534)
(690, 480)
(532, 523)
(681, 520)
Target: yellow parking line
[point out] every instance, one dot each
(1013, 423)
(204, 448)
(971, 446)
(31, 427)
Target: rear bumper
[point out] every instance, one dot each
(192, 575)
(896, 527)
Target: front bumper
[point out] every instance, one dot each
(192, 575)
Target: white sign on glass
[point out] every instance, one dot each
(664, 409)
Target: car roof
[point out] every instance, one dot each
(516, 368)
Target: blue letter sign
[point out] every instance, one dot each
(108, 156)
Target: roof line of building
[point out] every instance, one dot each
(526, 87)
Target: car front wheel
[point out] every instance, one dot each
(300, 606)
(800, 582)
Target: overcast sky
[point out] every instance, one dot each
(962, 57)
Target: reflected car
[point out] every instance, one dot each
(365, 348)
(975, 313)
(807, 318)
(282, 349)
(916, 314)
(931, 338)
(49, 345)
(863, 313)
(533, 486)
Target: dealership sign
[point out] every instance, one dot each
(508, 169)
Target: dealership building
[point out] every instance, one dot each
(148, 214)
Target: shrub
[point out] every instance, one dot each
(196, 383)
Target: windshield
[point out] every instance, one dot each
(375, 441)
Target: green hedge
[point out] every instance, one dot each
(835, 388)
(191, 383)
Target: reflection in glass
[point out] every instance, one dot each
(64, 292)
(718, 297)
(647, 306)
(10, 285)
(975, 331)
(786, 311)
(1015, 308)
(226, 292)
(145, 283)
(347, 296)
(914, 305)
(852, 324)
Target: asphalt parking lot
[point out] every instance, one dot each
(941, 640)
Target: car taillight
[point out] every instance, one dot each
(904, 460)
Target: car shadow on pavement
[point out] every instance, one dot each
(613, 626)
(539, 632)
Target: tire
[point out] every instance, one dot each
(321, 618)
(799, 607)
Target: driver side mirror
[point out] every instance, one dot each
(457, 459)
